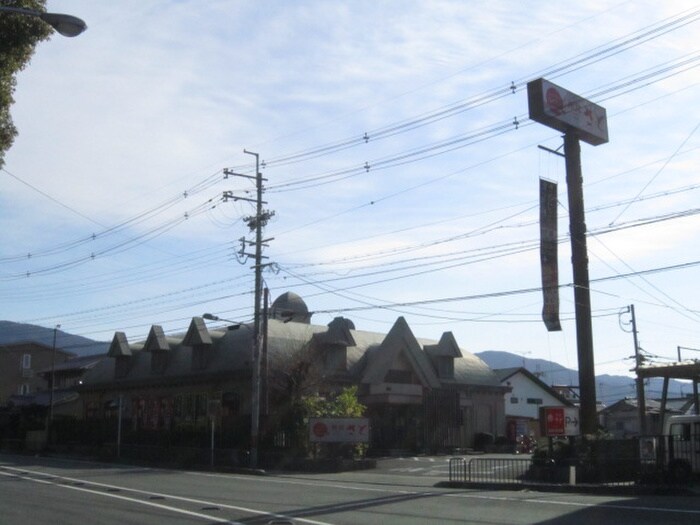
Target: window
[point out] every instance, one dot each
(27, 361)
(534, 401)
(446, 367)
(513, 400)
(23, 389)
(680, 431)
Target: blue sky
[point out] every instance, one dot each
(111, 205)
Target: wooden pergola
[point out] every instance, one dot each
(688, 370)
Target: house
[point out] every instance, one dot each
(67, 377)
(526, 394)
(420, 394)
(621, 419)
(19, 363)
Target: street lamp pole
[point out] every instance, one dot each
(66, 25)
(255, 380)
(53, 383)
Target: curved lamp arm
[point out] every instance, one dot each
(66, 25)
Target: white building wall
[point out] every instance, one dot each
(527, 397)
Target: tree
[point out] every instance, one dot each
(19, 35)
(342, 404)
(300, 389)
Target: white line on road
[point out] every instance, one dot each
(21, 473)
(117, 496)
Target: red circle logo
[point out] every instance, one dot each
(554, 101)
(320, 429)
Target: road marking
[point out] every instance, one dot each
(22, 474)
(349, 486)
(124, 498)
(580, 504)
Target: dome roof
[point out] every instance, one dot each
(290, 307)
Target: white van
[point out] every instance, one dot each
(683, 445)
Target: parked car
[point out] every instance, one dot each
(677, 451)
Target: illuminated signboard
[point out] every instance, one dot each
(562, 110)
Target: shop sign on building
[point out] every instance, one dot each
(339, 430)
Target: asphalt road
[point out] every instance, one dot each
(37, 491)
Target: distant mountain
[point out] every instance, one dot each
(20, 333)
(609, 389)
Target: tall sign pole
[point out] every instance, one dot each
(578, 119)
(582, 292)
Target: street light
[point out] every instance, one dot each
(234, 324)
(66, 25)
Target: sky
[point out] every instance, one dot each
(398, 158)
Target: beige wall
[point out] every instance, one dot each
(13, 374)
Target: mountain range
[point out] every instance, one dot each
(609, 388)
(22, 333)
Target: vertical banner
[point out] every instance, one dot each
(548, 255)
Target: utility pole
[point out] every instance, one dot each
(641, 400)
(255, 401)
(256, 223)
(582, 293)
(49, 426)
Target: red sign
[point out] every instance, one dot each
(554, 419)
(339, 430)
(563, 110)
(559, 421)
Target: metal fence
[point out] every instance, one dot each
(529, 471)
(489, 470)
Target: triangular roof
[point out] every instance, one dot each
(156, 341)
(446, 347)
(338, 333)
(400, 340)
(119, 346)
(197, 333)
(506, 373)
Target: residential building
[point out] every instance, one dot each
(526, 394)
(19, 366)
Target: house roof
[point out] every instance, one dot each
(119, 346)
(399, 340)
(369, 354)
(75, 364)
(504, 374)
(629, 404)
